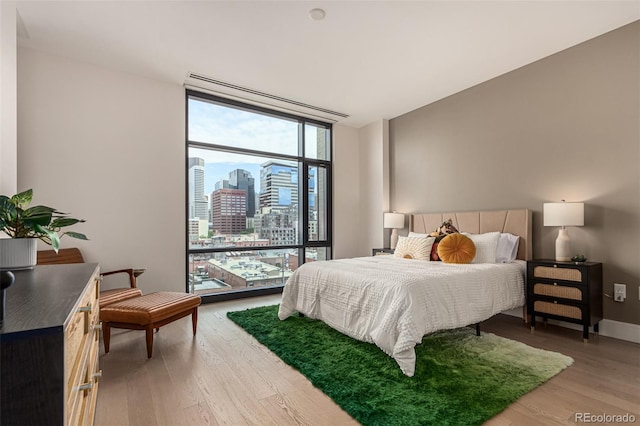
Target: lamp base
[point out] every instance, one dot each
(394, 239)
(563, 246)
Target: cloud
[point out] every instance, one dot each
(223, 125)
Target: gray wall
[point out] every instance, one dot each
(565, 127)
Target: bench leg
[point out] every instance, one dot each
(106, 336)
(149, 331)
(194, 320)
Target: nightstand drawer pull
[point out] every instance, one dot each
(555, 290)
(567, 274)
(557, 309)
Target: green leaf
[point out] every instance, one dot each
(40, 230)
(8, 215)
(61, 222)
(76, 235)
(43, 219)
(4, 202)
(55, 240)
(23, 199)
(39, 211)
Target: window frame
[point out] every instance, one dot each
(302, 162)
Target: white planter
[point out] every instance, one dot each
(18, 253)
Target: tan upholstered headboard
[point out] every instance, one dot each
(516, 222)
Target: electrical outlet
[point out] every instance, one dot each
(619, 292)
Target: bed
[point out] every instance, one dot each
(394, 302)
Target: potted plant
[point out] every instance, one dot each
(24, 225)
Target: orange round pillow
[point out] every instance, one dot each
(456, 248)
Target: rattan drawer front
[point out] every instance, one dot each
(558, 309)
(567, 274)
(564, 292)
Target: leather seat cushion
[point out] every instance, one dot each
(150, 308)
(107, 297)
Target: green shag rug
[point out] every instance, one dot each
(460, 379)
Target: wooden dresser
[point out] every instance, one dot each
(49, 346)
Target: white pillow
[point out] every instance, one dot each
(417, 235)
(486, 246)
(414, 248)
(507, 248)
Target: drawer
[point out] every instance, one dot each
(90, 399)
(558, 309)
(81, 341)
(83, 391)
(554, 273)
(78, 396)
(554, 290)
(77, 333)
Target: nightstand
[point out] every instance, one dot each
(381, 251)
(566, 291)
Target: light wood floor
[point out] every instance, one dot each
(224, 377)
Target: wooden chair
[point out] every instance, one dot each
(107, 297)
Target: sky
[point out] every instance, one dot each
(221, 125)
(228, 126)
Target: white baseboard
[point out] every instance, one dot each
(620, 330)
(610, 328)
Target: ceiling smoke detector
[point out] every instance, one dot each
(317, 14)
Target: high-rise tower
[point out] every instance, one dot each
(198, 205)
(278, 186)
(242, 179)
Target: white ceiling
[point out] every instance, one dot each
(371, 60)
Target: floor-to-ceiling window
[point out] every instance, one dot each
(258, 195)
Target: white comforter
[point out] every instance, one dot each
(394, 302)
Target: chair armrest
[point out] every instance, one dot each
(133, 274)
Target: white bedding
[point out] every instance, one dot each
(393, 302)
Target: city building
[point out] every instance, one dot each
(242, 179)
(278, 186)
(229, 211)
(279, 228)
(198, 229)
(278, 217)
(247, 271)
(198, 204)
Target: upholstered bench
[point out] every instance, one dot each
(147, 312)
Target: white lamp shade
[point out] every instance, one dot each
(394, 220)
(563, 214)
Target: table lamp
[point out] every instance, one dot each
(563, 214)
(394, 221)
